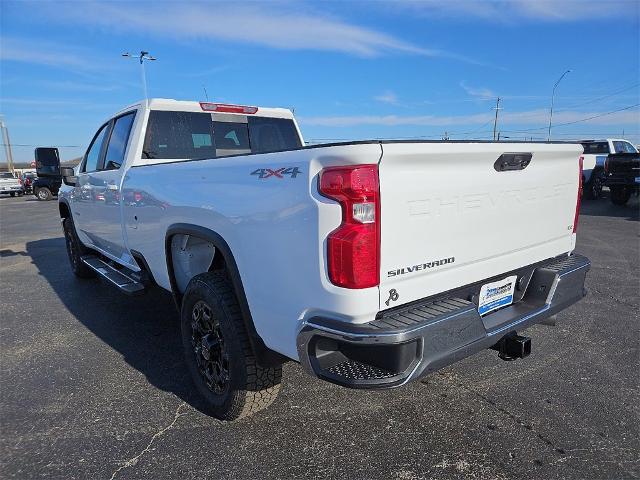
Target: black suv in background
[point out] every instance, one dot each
(44, 188)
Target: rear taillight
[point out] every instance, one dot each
(575, 219)
(353, 249)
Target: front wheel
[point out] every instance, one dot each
(75, 250)
(218, 352)
(620, 194)
(43, 193)
(13, 194)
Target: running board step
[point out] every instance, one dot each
(124, 283)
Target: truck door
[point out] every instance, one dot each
(81, 197)
(100, 191)
(106, 186)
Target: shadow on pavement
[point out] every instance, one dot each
(603, 207)
(145, 330)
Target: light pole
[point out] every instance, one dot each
(142, 57)
(553, 94)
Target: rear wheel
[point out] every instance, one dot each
(620, 194)
(13, 194)
(43, 193)
(75, 250)
(593, 188)
(218, 352)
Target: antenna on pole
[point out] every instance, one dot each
(495, 122)
(206, 95)
(142, 57)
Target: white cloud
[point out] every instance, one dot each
(530, 117)
(480, 93)
(269, 24)
(387, 97)
(41, 53)
(516, 10)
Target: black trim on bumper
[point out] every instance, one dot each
(404, 344)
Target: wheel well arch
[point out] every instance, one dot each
(65, 211)
(221, 258)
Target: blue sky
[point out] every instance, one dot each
(351, 70)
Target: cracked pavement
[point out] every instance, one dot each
(93, 385)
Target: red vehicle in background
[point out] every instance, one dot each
(27, 179)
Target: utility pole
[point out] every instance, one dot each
(142, 57)
(553, 94)
(7, 145)
(495, 122)
(206, 95)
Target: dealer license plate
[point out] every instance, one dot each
(496, 295)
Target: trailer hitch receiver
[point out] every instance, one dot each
(512, 347)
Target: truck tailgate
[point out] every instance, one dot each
(450, 216)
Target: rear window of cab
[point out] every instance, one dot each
(194, 135)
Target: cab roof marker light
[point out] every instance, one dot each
(222, 107)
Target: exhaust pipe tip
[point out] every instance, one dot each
(513, 347)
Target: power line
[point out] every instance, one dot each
(601, 98)
(576, 121)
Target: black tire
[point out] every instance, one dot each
(44, 194)
(75, 250)
(620, 194)
(225, 371)
(593, 188)
(13, 194)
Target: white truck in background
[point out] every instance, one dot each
(371, 263)
(10, 184)
(595, 155)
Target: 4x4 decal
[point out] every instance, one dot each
(277, 173)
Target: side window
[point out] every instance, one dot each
(93, 154)
(118, 142)
(621, 147)
(631, 148)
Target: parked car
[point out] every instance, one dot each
(10, 185)
(27, 179)
(595, 154)
(371, 263)
(622, 176)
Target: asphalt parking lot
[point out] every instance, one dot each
(93, 385)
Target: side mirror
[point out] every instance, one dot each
(47, 162)
(68, 176)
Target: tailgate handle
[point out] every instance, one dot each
(512, 161)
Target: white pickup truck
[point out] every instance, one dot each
(10, 184)
(371, 263)
(595, 155)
